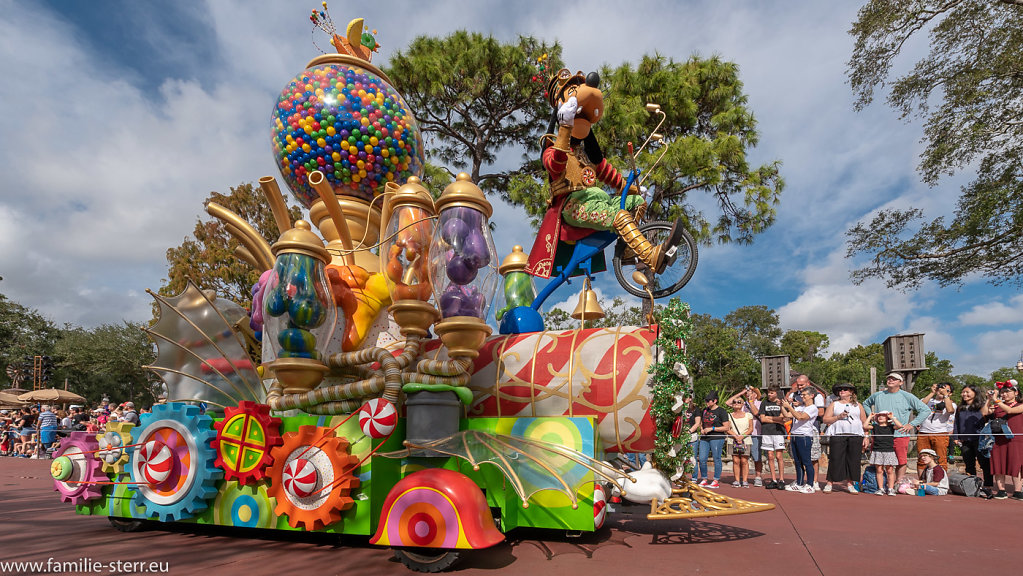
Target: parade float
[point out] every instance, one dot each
(365, 393)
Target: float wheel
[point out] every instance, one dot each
(427, 559)
(126, 524)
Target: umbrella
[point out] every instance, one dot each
(9, 401)
(51, 395)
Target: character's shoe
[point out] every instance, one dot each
(669, 248)
(650, 255)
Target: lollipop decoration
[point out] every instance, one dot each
(377, 418)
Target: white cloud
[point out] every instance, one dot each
(991, 350)
(994, 313)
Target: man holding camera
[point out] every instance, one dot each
(935, 431)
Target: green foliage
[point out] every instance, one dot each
(675, 325)
(966, 90)
(1003, 374)
(473, 96)
(854, 366)
(23, 332)
(717, 359)
(708, 131)
(108, 361)
(208, 256)
(938, 370)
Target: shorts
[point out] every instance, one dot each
(755, 451)
(902, 449)
(772, 442)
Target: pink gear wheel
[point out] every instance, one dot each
(332, 465)
(377, 418)
(245, 439)
(79, 447)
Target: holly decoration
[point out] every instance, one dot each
(674, 327)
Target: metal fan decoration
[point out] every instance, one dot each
(201, 357)
(17, 374)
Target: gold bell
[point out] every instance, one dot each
(588, 307)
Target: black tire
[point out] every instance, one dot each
(427, 559)
(673, 278)
(126, 524)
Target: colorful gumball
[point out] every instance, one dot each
(345, 120)
(300, 478)
(377, 418)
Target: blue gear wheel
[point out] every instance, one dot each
(194, 485)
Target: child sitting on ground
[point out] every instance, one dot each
(933, 479)
(882, 426)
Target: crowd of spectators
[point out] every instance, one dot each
(985, 427)
(33, 430)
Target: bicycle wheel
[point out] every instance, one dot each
(673, 278)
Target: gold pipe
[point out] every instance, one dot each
(385, 208)
(242, 253)
(319, 182)
(276, 201)
(247, 242)
(256, 244)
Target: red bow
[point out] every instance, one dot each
(1003, 385)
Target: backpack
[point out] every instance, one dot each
(964, 484)
(868, 483)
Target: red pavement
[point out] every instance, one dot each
(808, 534)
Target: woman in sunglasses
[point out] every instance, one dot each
(1007, 454)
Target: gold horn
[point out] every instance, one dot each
(588, 307)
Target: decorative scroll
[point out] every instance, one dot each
(692, 501)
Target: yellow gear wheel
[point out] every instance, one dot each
(112, 455)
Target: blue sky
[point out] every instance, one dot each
(122, 116)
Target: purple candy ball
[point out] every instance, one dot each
(475, 250)
(460, 271)
(452, 301)
(454, 231)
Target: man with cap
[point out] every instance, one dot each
(902, 405)
(714, 427)
(130, 415)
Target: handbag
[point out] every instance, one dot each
(999, 427)
(739, 449)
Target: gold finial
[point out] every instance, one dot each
(514, 262)
(463, 192)
(301, 240)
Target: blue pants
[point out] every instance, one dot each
(931, 490)
(801, 458)
(711, 445)
(695, 447)
(755, 452)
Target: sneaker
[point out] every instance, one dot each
(807, 489)
(852, 489)
(1001, 495)
(703, 482)
(1017, 496)
(736, 484)
(770, 484)
(746, 485)
(893, 492)
(714, 484)
(792, 487)
(758, 482)
(816, 487)
(827, 489)
(780, 485)
(881, 492)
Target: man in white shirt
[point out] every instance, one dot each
(935, 431)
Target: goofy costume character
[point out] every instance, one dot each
(575, 164)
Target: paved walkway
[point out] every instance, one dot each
(832, 534)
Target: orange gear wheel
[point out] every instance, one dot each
(245, 438)
(299, 477)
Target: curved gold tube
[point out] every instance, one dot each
(242, 253)
(245, 233)
(251, 245)
(276, 201)
(319, 182)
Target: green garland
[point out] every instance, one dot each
(675, 325)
